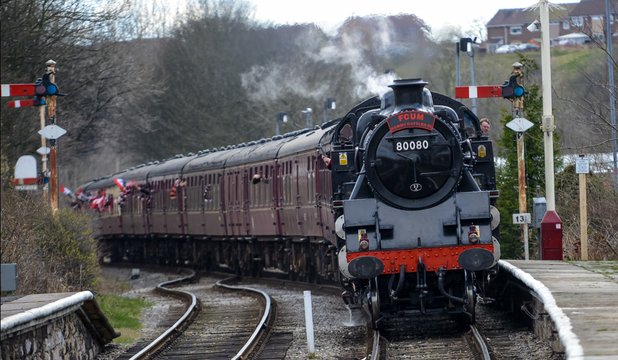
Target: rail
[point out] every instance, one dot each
(375, 346)
(160, 342)
(261, 326)
(480, 342)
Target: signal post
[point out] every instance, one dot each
(513, 91)
(50, 71)
(45, 91)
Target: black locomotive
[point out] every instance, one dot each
(393, 201)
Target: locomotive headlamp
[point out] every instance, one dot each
(363, 240)
(474, 234)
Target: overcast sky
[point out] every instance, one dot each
(436, 13)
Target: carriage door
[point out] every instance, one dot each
(182, 204)
(223, 218)
(298, 198)
(245, 228)
(276, 196)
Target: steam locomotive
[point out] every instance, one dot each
(394, 201)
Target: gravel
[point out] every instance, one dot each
(336, 337)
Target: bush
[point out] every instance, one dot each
(602, 210)
(53, 252)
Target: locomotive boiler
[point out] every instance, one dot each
(394, 201)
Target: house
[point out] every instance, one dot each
(509, 26)
(589, 15)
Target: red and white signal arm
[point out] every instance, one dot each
(25, 173)
(474, 92)
(17, 90)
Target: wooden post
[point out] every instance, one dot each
(583, 217)
(51, 115)
(521, 167)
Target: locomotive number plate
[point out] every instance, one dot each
(410, 144)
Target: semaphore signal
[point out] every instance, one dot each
(474, 92)
(16, 104)
(44, 91)
(17, 90)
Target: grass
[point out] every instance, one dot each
(124, 315)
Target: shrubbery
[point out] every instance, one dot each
(602, 210)
(53, 252)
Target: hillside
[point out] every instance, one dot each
(580, 99)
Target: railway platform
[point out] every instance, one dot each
(573, 304)
(53, 326)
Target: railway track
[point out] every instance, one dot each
(442, 338)
(234, 325)
(509, 336)
(230, 324)
(178, 315)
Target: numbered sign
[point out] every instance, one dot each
(524, 218)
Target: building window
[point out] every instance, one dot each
(566, 25)
(577, 21)
(515, 30)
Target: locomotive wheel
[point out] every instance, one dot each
(374, 302)
(470, 293)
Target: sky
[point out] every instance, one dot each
(436, 13)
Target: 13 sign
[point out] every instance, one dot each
(523, 218)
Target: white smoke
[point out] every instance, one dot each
(350, 50)
(277, 80)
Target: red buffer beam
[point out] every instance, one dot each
(17, 90)
(473, 92)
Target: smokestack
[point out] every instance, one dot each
(408, 93)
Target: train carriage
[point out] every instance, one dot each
(167, 209)
(135, 206)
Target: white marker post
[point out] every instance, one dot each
(309, 321)
(582, 167)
